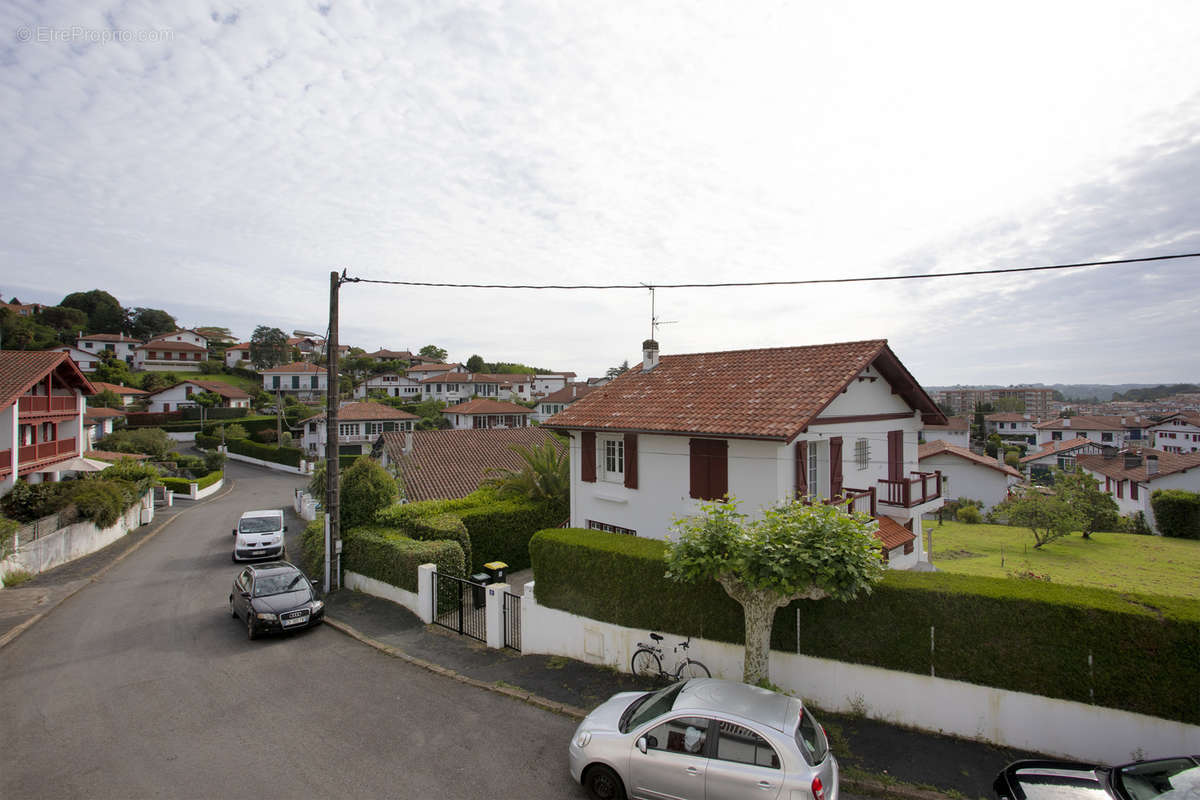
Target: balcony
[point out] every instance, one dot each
(40, 404)
(913, 491)
(30, 456)
(855, 500)
(5, 462)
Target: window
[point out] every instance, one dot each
(812, 469)
(1056, 436)
(1065, 462)
(88, 345)
(1133, 490)
(810, 736)
(612, 459)
(709, 468)
(313, 382)
(685, 735)
(347, 429)
(593, 525)
(373, 428)
(274, 381)
(735, 743)
(295, 381)
(1106, 437)
(862, 453)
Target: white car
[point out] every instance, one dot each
(259, 534)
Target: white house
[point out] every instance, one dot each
(763, 426)
(1132, 475)
(556, 401)
(128, 394)
(383, 354)
(238, 355)
(173, 398)
(120, 345)
(1012, 426)
(359, 426)
(546, 383)
(956, 431)
(392, 384)
(1060, 455)
(422, 371)
(483, 413)
(177, 351)
(300, 379)
(42, 401)
(98, 423)
(1111, 430)
(968, 474)
(454, 387)
(1177, 433)
(86, 361)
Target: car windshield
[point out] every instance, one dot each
(278, 583)
(1157, 780)
(649, 706)
(260, 525)
(810, 738)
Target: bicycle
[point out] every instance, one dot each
(647, 661)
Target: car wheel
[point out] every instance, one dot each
(603, 784)
(232, 610)
(233, 557)
(251, 634)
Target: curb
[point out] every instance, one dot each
(12, 635)
(878, 788)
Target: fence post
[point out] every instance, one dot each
(494, 619)
(425, 574)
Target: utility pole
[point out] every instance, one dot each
(333, 552)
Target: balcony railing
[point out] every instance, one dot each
(914, 491)
(854, 499)
(5, 462)
(32, 454)
(40, 404)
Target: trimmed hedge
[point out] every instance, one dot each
(432, 528)
(209, 479)
(217, 412)
(280, 455)
(252, 424)
(312, 549)
(389, 557)
(178, 485)
(205, 442)
(1027, 636)
(1176, 513)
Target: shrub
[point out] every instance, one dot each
(28, 502)
(101, 501)
(142, 475)
(266, 435)
(969, 515)
(208, 480)
(16, 577)
(149, 441)
(214, 462)
(389, 557)
(1135, 523)
(312, 549)
(206, 442)
(178, 485)
(366, 489)
(430, 528)
(1177, 513)
(8, 527)
(280, 455)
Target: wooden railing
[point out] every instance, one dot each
(33, 453)
(5, 461)
(40, 404)
(854, 499)
(909, 492)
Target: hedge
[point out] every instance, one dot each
(1026, 636)
(178, 485)
(205, 442)
(431, 528)
(217, 412)
(209, 479)
(389, 557)
(1176, 512)
(252, 424)
(280, 455)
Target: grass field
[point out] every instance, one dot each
(249, 385)
(1120, 561)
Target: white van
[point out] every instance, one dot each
(259, 534)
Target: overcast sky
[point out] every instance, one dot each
(218, 159)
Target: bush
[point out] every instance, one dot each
(969, 515)
(205, 442)
(142, 475)
(389, 557)
(234, 431)
(1135, 523)
(290, 456)
(8, 527)
(214, 462)
(209, 479)
(102, 501)
(28, 502)
(210, 414)
(178, 485)
(366, 489)
(153, 442)
(1176, 512)
(312, 549)
(265, 435)
(431, 528)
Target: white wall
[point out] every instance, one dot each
(74, 541)
(968, 479)
(1187, 481)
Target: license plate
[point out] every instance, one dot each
(300, 620)
(259, 552)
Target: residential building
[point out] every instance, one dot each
(1177, 433)
(481, 413)
(359, 426)
(448, 464)
(556, 401)
(546, 383)
(120, 345)
(300, 379)
(23, 309)
(1012, 426)
(383, 354)
(956, 431)
(98, 423)
(1110, 430)
(1132, 475)
(968, 474)
(764, 426)
(427, 370)
(454, 387)
(1058, 455)
(42, 401)
(128, 394)
(173, 398)
(392, 384)
(177, 351)
(238, 355)
(86, 361)
(306, 346)
(1037, 401)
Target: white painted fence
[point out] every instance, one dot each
(196, 493)
(305, 467)
(305, 505)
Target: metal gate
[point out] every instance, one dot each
(459, 604)
(512, 621)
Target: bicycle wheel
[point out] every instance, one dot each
(692, 669)
(645, 664)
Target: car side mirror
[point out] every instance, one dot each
(285, 528)
(641, 744)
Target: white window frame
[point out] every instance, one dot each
(347, 429)
(814, 474)
(610, 455)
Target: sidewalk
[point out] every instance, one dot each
(871, 752)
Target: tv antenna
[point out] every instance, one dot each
(654, 320)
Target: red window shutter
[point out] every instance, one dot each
(631, 461)
(801, 469)
(698, 467)
(1108, 484)
(587, 468)
(1133, 490)
(835, 466)
(709, 468)
(895, 445)
(1120, 490)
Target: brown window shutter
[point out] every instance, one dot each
(709, 468)
(718, 470)
(835, 467)
(631, 461)
(895, 455)
(698, 469)
(587, 467)
(801, 469)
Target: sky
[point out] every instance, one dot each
(219, 159)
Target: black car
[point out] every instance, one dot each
(1163, 778)
(274, 597)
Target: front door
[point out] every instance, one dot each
(675, 762)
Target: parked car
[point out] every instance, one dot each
(259, 534)
(274, 597)
(1166, 778)
(703, 737)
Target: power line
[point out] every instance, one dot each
(809, 282)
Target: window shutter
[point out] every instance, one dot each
(801, 469)
(587, 467)
(709, 468)
(698, 468)
(895, 455)
(835, 467)
(631, 461)
(718, 470)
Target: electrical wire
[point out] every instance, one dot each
(808, 282)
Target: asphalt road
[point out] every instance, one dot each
(141, 685)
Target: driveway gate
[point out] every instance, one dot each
(512, 621)
(458, 604)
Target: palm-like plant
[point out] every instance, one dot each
(545, 475)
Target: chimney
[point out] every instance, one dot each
(1109, 451)
(1133, 460)
(649, 355)
(1066, 422)
(408, 442)
(1151, 465)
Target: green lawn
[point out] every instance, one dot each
(1120, 561)
(249, 385)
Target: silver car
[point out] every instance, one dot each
(703, 739)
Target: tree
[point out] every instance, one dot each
(69, 322)
(111, 369)
(1048, 517)
(206, 400)
(475, 363)
(615, 371)
(216, 336)
(268, 347)
(1094, 508)
(795, 551)
(106, 399)
(104, 313)
(146, 323)
(25, 333)
(365, 489)
(545, 475)
(434, 352)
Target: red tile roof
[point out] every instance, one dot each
(937, 447)
(486, 406)
(21, 369)
(436, 367)
(392, 355)
(1168, 464)
(182, 347)
(1054, 448)
(568, 394)
(762, 394)
(97, 414)
(228, 391)
(295, 366)
(101, 386)
(240, 346)
(446, 464)
(952, 424)
(475, 377)
(348, 412)
(893, 534)
(1091, 423)
(107, 337)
